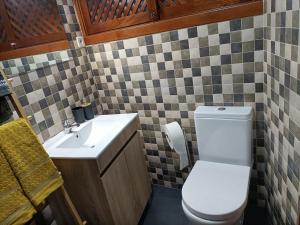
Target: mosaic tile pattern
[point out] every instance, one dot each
(32, 63)
(48, 93)
(282, 109)
(165, 76)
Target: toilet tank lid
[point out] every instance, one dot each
(224, 112)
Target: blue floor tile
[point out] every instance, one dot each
(164, 208)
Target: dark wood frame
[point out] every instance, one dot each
(34, 50)
(243, 9)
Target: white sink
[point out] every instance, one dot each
(90, 138)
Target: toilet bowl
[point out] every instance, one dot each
(216, 193)
(216, 190)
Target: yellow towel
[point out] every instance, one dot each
(15, 208)
(29, 161)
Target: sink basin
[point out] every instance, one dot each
(90, 138)
(89, 135)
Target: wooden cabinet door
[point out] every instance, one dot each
(119, 192)
(25, 23)
(138, 172)
(127, 185)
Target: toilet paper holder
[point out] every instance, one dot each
(187, 149)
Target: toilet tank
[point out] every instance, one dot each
(224, 134)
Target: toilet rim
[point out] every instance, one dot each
(205, 221)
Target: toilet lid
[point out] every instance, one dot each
(216, 191)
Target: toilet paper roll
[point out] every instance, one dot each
(176, 140)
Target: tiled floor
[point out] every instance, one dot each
(165, 209)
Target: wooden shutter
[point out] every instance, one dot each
(29, 27)
(107, 20)
(103, 15)
(29, 23)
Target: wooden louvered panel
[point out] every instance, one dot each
(107, 20)
(177, 8)
(34, 21)
(101, 11)
(104, 15)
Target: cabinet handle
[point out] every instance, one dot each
(13, 44)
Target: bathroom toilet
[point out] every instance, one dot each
(216, 190)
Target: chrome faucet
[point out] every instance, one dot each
(68, 126)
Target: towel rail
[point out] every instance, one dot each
(21, 113)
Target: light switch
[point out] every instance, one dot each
(80, 42)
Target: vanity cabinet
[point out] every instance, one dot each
(114, 191)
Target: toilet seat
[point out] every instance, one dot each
(216, 191)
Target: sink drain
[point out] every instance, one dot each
(93, 146)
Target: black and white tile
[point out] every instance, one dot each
(19, 66)
(282, 109)
(165, 76)
(250, 61)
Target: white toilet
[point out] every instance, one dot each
(216, 190)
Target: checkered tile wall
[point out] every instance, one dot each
(16, 67)
(282, 108)
(165, 76)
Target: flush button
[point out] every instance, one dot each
(221, 108)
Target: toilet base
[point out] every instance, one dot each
(194, 220)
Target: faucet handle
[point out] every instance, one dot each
(67, 122)
(68, 125)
